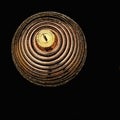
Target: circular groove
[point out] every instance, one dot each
(55, 66)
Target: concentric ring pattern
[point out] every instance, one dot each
(56, 66)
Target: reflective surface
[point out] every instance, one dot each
(49, 49)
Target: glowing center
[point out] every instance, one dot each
(45, 38)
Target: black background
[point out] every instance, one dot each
(94, 86)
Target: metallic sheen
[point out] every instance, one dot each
(57, 63)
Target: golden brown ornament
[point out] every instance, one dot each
(49, 49)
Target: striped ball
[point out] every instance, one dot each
(55, 65)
